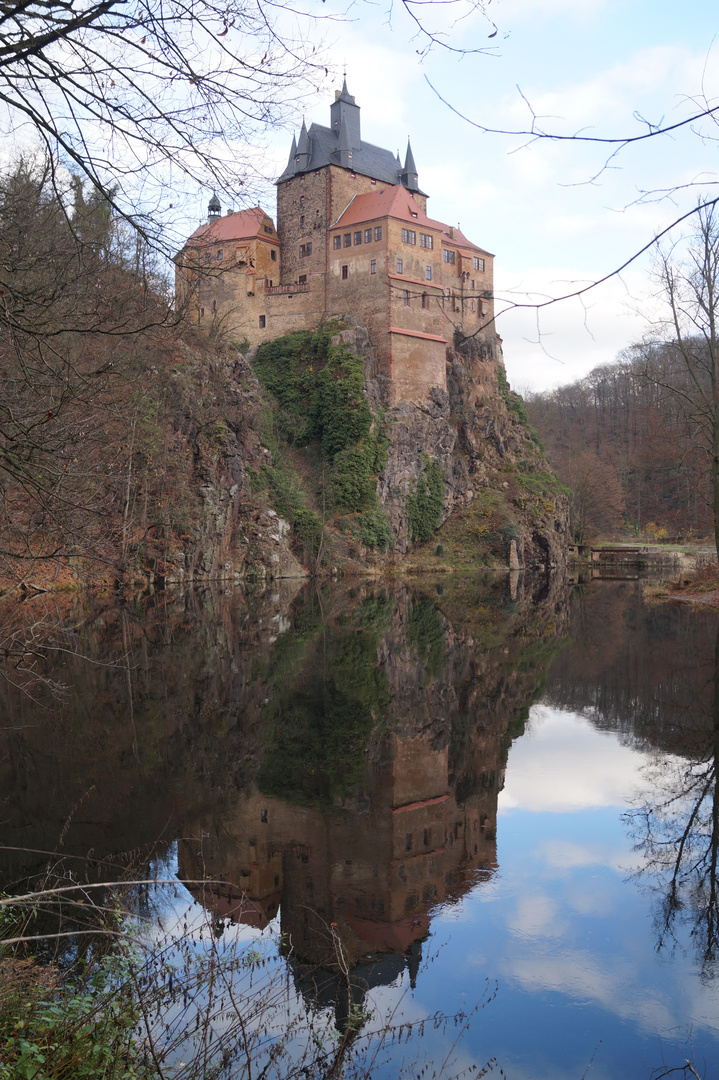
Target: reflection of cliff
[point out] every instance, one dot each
(339, 752)
(377, 797)
(646, 671)
(158, 707)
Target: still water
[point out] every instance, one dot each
(494, 799)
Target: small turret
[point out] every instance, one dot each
(292, 164)
(304, 151)
(409, 173)
(214, 209)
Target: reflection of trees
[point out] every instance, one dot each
(677, 832)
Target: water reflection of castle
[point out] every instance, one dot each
(375, 869)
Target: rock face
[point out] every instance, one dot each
(478, 433)
(501, 506)
(221, 529)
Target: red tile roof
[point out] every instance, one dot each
(396, 202)
(241, 225)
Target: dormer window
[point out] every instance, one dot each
(414, 213)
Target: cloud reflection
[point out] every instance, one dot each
(563, 764)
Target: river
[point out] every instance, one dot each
(479, 816)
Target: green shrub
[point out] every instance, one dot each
(310, 531)
(376, 530)
(341, 412)
(425, 505)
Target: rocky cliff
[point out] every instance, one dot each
(287, 462)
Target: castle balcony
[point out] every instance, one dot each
(285, 290)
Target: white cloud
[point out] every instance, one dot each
(564, 764)
(579, 975)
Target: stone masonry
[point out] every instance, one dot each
(353, 240)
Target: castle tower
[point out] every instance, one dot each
(345, 114)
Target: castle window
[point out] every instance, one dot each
(220, 255)
(373, 266)
(348, 239)
(414, 213)
(202, 313)
(446, 293)
(471, 284)
(208, 256)
(358, 237)
(345, 272)
(317, 215)
(267, 229)
(378, 232)
(425, 304)
(302, 279)
(262, 322)
(273, 255)
(305, 249)
(353, 175)
(302, 198)
(302, 220)
(428, 273)
(426, 241)
(405, 297)
(471, 305)
(337, 242)
(448, 256)
(214, 306)
(478, 263)
(373, 182)
(409, 236)
(399, 266)
(368, 236)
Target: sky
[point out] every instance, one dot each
(551, 213)
(557, 215)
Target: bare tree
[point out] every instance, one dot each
(677, 829)
(136, 97)
(688, 367)
(596, 500)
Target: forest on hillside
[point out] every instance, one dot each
(633, 456)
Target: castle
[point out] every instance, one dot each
(353, 239)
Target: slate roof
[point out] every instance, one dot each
(367, 160)
(240, 225)
(342, 145)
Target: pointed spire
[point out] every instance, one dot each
(304, 150)
(303, 146)
(291, 164)
(409, 173)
